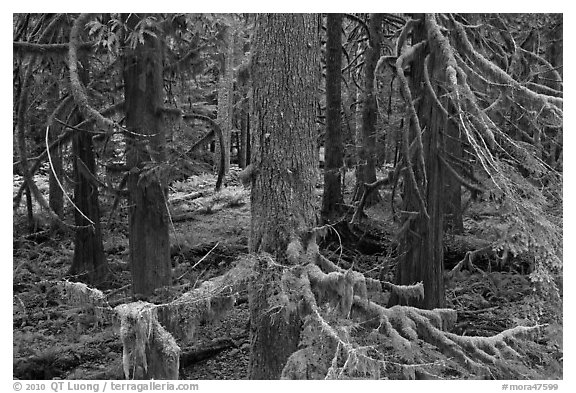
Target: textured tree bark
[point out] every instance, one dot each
(422, 243)
(332, 196)
(367, 144)
(148, 215)
(285, 77)
(89, 262)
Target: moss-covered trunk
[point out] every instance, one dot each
(285, 77)
(421, 244)
(366, 169)
(149, 222)
(89, 262)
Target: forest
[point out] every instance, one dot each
(287, 196)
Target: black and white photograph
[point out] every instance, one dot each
(287, 196)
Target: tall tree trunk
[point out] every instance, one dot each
(89, 262)
(421, 243)
(56, 195)
(225, 91)
(332, 197)
(367, 152)
(148, 215)
(286, 75)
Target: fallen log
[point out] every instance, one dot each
(198, 353)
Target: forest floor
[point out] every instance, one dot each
(52, 339)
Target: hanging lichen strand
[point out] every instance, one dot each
(347, 333)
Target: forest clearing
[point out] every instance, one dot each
(288, 196)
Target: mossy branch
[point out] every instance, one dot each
(547, 64)
(472, 187)
(76, 86)
(150, 349)
(431, 89)
(400, 63)
(21, 139)
(406, 30)
(542, 89)
(548, 103)
(479, 118)
(474, 353)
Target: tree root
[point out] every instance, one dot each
(323, 292)
(346, 334)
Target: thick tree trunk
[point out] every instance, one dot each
(148, 215)
(367, 153)
(421, 243)
(89, 262)
(285, 78)
(332, 197)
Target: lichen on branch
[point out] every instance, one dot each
(76, 86)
